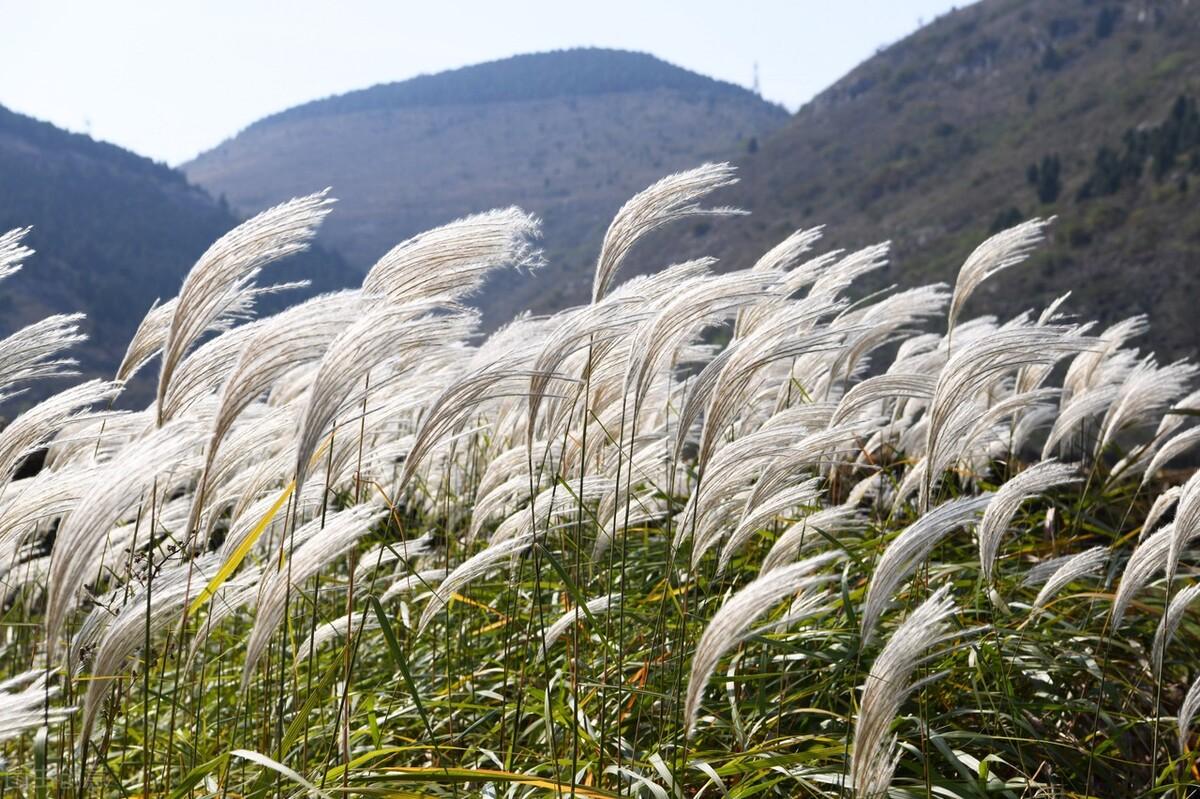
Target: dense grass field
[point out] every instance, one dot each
(723, 534)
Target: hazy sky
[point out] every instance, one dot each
(170, 79)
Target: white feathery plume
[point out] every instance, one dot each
(299, 335)
(881, 388)
(1069, 569)
(324, 540)
(391, 552)
(1161, 505)
(908, 549)
(117, 487)
(873, 760)
(447, 263)
(596, 328)
(1088, 366)
(340, 627)
(816, 528)
(1174, 418)
(786, 334)
(1172, 448)
(1006, 248)
(553, 502)
(784, 255)
(1143, 396)
(883, 321)
(151, 335)
(693, 306)
(673, 198)
(29, 354)
(218, 281)
(1082, 406)
(840, 275)
(202, 371)
(454, 406)
(126, 631)
(470, 570)
(1187, 522)
(1187, 711)
(731, 623)
(23, 704)
(1150, 555)
(51, 493)
(1030, 483)
(757, 514)
(12, 251)
(554, 631)
(974, 367)
(33, 428)
(425, 578)
(383, 333)
(1169, 624)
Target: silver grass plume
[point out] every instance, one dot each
(733, 620)
(299, 335)
(1003, 250)
(23, 704)
(126, 631)
(816, 528)
(452, 408)
(322, 543)
(426, 578)
(202, 371)
(50, 494)
(12, 251)
(1081, 407)
(703, 301)
(33, 428)
(1069, 569)
(29, 354)
(1187, 711)
(385, 332)
(673, 198)
(120, 485)
(757, 514)
(1169, 624)
(1089, 365)
(881, 388)
(219, 279)
(1143, 396)
(974, 367)
(592, 607)
(1172, 448)
(1030, 483)
(908, 549)
(1160, 507)
(469, 570)
(786, 334)
(1187, 522)
(446, 263)
(873, 760)
(151, 335)
(1149, 556)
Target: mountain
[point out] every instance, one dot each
(997, 112)
(568, 135)
(113, 232)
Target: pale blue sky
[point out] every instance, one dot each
(170, 79)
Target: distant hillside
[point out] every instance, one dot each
(112, 232)
(1000, 111)
(568, 135)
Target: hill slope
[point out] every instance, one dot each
(1004, 110)
(113, 232)
(568, 135)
